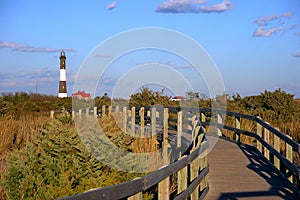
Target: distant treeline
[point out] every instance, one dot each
(277, 107)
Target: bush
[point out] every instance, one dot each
(55, 165)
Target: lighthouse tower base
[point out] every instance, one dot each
(62, 95)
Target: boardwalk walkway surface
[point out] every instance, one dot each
(237, 172)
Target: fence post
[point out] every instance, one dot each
(220, 121)
(164, 185)
(153, 121)
(103, 110)
(142, 118)
(179, 131)
(80, 113)
(194, 169)
(73, 114)
(133, 120)
(149, 115)
(182, 178)
(194, 124)
(203, 165)
(277, 148)
(137, 196)
(259, 133)
(202, 117)
(166, 128)
(52, 114)
(267, 139)
(164, 189)
(125, 118)
(237, 126)
(87, 111)
(95, 111)
(289, 156)
(109, 110)
(117, 110)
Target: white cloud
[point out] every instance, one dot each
(112, 5)
(261, 32)
(265, 20)
(192, 6)
(30, 49)
(221, 7)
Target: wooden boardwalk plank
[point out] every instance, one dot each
(237, 172)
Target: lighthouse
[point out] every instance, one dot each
(62, 91)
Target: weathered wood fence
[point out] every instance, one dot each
(191, 168)
(279, 149)
(187, 174)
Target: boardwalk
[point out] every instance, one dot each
(237, 172)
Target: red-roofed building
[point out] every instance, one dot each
(81, 95)
(177, 98)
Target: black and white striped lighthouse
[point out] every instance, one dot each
(62, 91)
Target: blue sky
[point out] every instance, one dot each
(255, 44)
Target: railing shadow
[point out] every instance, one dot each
(259, 165)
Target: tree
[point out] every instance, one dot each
(147, 97)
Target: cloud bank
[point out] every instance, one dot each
(263, 23)
(192, 6)
(261, 32)
(30, 49)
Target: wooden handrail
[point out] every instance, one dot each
(191, 116)
(292, 173)
(197, 186)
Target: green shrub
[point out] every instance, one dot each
(55, 165)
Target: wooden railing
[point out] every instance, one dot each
(191, 167)
(278, 149)
(188, 172)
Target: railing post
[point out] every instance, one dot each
(182, 178)
(117, 110)
(277, 148)
(52, 114)
(179, 131)
(203, 165)
(202, 117)
(153, 121)
(80, 113)
(109, 110)
(166, 129)
(149, 115)
(133, 120)
(138, 196)
(219, 121)
(289, 156)
(267, 139)
(103, 111)
(194, 124)
(183, 173)
(142, 119)
(194, 169)
(125, 118)
(164, 186)
(237, 126)
(259, 133)
(95, 111)
(164, 189)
